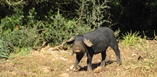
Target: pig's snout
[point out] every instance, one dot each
(77, 49)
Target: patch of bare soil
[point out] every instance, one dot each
(137, 61)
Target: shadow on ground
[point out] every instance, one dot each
(95, 65)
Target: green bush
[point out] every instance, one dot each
(54, 30)
(18, 39)
(22, 38)
(5, 48)
(15, 35)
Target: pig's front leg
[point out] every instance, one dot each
(78, 58)
(89, 62)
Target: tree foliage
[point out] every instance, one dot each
(136, 15)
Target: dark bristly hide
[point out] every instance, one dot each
(92, 43)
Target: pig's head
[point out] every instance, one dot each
(79, 43)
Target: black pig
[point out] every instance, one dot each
(92, 43)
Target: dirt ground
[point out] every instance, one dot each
(137, 61)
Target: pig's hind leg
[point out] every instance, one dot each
(114, 46)
(103, 55)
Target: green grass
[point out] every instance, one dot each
(130, 38)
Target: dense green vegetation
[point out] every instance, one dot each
(29, 23)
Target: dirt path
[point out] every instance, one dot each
(137, 61)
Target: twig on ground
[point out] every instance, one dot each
(58, 47)
(54, 48)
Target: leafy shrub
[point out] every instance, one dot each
(6, 27)
(22, 38)
(16, 36)
(15, 41)
(5, 48)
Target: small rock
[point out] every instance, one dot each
(127, 67)
(72, 68)
(45, 69)
(62, 58)
(67, 69)
(13, 73)
(134, 54)
(98, 70)
(64, 75)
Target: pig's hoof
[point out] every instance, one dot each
(119, 64)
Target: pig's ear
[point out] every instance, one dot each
(87, 42)
(71, 39)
